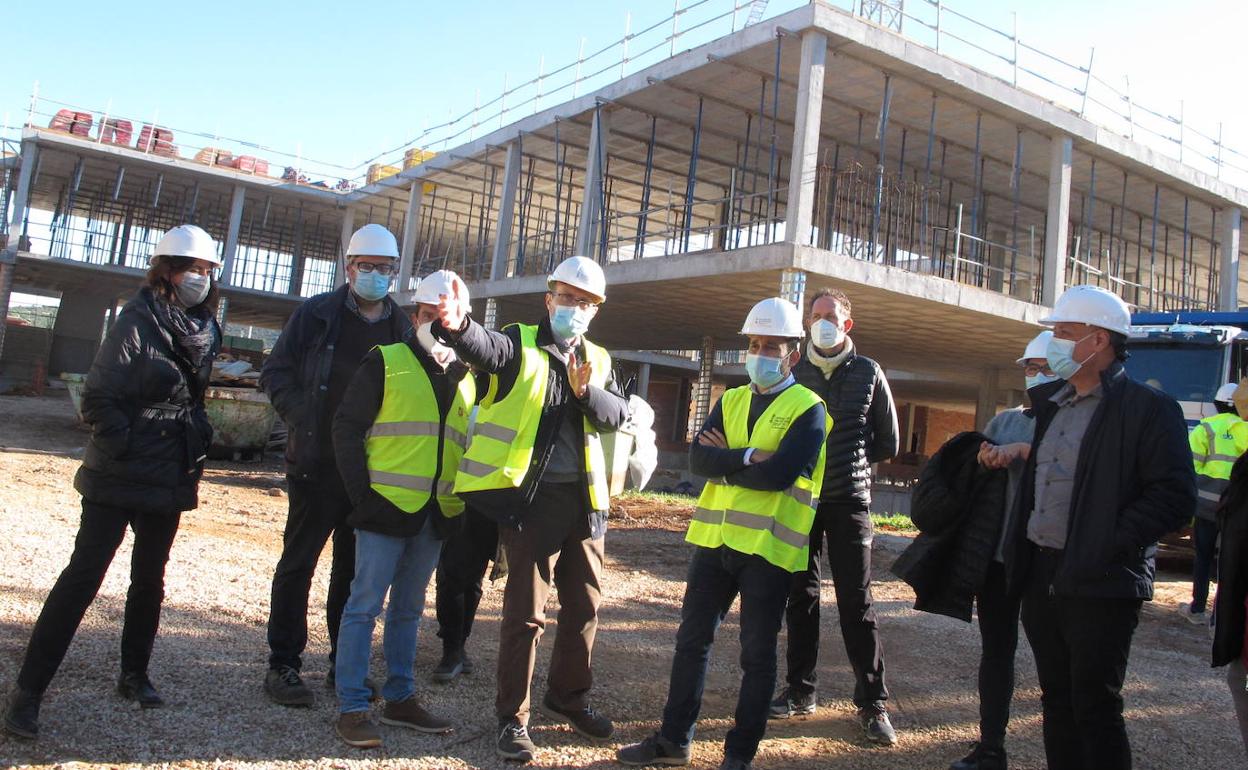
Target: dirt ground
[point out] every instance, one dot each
(210, 656)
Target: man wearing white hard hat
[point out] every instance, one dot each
(1216, 442)
(1108, 473)
(762, 449)
(535, 465)
(399, 434)
(306, 377)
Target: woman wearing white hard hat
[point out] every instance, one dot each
(144, 402)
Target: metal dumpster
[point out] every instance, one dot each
(242, 419)
(74, 383)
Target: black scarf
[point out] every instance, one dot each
(192, 330)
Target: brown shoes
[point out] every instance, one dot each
(410, 714)
(356, 729)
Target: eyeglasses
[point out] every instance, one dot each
(569, 300)
(1031, 370)
(384, 269)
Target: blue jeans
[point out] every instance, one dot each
(403, 565)
(716, 576)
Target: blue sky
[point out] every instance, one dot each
(341, 82)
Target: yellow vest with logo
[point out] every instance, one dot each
(402, 447)
(1216, 442)
(502, 440)
(773, 525)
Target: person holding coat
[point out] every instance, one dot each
(144, 403)
(1230, 606)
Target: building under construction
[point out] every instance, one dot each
(827, 146)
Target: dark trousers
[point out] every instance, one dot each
(553, 547)
(99, 533)
(998, 630)
(848, 530)
(461, 569)
(1081, 648)
(716, 576)
(318, 509)
(1205, 539)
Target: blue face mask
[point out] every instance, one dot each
(1039, 379)
(764, 371)
(371, 286)
(568, 323)
(1060, 356)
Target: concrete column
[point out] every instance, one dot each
(702, 388)
(643, 380)
(500, 262)
(1057, 231)
(348, 228)
(1228, 261)
(78, 330)
(793, 286)
(21, 198)
(231, 234)
(989, 394)
(411, 231)
(591, 195)
(805, 160)
(8, 264)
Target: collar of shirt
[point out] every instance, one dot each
(786, 382)
(354, 307)
(1068, 396)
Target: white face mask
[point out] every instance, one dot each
(440, 353)
(825, 334)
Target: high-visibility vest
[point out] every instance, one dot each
(1216, 442)
(773, 525)
(501, 449)
(412, 453)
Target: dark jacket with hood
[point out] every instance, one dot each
(1229, 612)
(1134, 482)
(498, 354)
(958, 506)
(864, 425)
(144, 402)
(296, 374)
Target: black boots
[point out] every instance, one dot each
(137, 687)
(451, 665)
(21, 714)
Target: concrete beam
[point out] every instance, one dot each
(804, 162)
(1228, 261)
(348, 229)
(989, 395)
(1057, 228)
(231, 233)
(506, 211)
(411, 230)
(591, 193)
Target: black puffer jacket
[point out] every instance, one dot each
(864, 424)
(144, 401)
(1134, 482)
(958, 507)
(1228, 612)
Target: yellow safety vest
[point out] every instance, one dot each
(411, 452)
(1216, 442)
(773, 525)
(502, 440)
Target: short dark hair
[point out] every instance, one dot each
(836, 295)
(160, 280)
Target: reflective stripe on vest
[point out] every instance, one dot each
(501, 448)
(773, 525)
(411, 454)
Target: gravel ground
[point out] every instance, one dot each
(210, 656)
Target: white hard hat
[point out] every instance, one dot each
(583, 273)
(1037, 348)
(774, 317)
(188, 241)
(438, 284)
(373, 241)
(1226, 393)
(1093, 306)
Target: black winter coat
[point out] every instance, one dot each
(958, 507)
(864, 425)
(1228, 609)
(1134, 482)
(296, 374)
(144, 402)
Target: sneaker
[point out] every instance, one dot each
(876, 727)
(655, 750)
(374, 690)
(469, 666)
(21, 714)
(981, 758)
(514, 741)
(286, 688)
(451, 666)
(356, 729)
(410, 714)
(137, 687)
(1195, 618)
(733, 763)
(584, 720)
(792, 704)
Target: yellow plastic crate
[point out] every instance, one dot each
(416, 156)
(378, 171)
